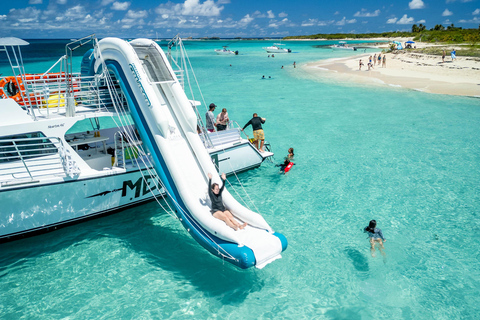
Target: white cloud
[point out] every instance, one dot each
(421, 21)
(246, 20)
(316, 22)
(392, 20)
(62, 1)
(474, 20)
(270, 14)
(106, 2)
(364, 14)
(35, 1)
(337, 12)
(283, 15)
(405, 20)
(120, 6)
(136, 14)
(344, 21)
(477, 11)
(75, 13)
(416, 4)
(447, 13)
(3, 17)
(206, 9)
(451, 1)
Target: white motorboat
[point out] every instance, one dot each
(277, 49)
(225, 51)
(60, 163)
(342, 45)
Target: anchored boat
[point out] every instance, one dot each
(276, 48)
(226, 51)
(342, 45)
(60, 163)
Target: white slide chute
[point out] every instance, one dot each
(167, 124)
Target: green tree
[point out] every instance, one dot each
(415, 28)
(439, 27)
(421, 27)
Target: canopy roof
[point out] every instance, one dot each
(11, 41)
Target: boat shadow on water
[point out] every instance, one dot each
(154, 235)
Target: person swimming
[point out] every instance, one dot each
(376, 236)
(287, 161)
(290, 154)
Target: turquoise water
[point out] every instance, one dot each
(408, 159)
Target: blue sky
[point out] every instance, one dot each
(226, 18)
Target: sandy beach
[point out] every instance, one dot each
(409, 70)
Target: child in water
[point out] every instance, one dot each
(376, 236)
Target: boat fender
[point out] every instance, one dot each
(289, 166)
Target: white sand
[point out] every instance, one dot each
(410, 70)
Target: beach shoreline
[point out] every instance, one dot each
(417, 71)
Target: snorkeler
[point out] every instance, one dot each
(376, 236)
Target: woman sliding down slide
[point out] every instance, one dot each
(218, 208)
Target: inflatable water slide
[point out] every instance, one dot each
(167, 125)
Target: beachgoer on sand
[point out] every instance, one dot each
(384, 62)
(375, 236)
(379, 59)
(453, 54)
(360, 64)
(443, 55)
(375, 59)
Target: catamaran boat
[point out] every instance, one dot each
(118, 133)
(342, 45)
(276, 49)
(226, 51)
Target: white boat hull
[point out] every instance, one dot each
(227, 53)
(68, 202)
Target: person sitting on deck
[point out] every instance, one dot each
(218, 208)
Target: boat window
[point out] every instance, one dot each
(153, 63)
(25, 145)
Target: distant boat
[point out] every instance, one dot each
(343, 45)
(226, 51)
(276, 49)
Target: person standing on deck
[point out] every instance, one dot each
(210, 118)
(222, 120)
(258, 134)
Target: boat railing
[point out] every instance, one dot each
(26, 160)
(48, 93)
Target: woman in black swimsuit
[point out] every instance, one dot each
(218, 208)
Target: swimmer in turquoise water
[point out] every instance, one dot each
(376, 237)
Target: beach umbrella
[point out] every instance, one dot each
(410, 42)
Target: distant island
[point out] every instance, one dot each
(439, 33)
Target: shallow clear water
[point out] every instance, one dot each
(408, 159)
